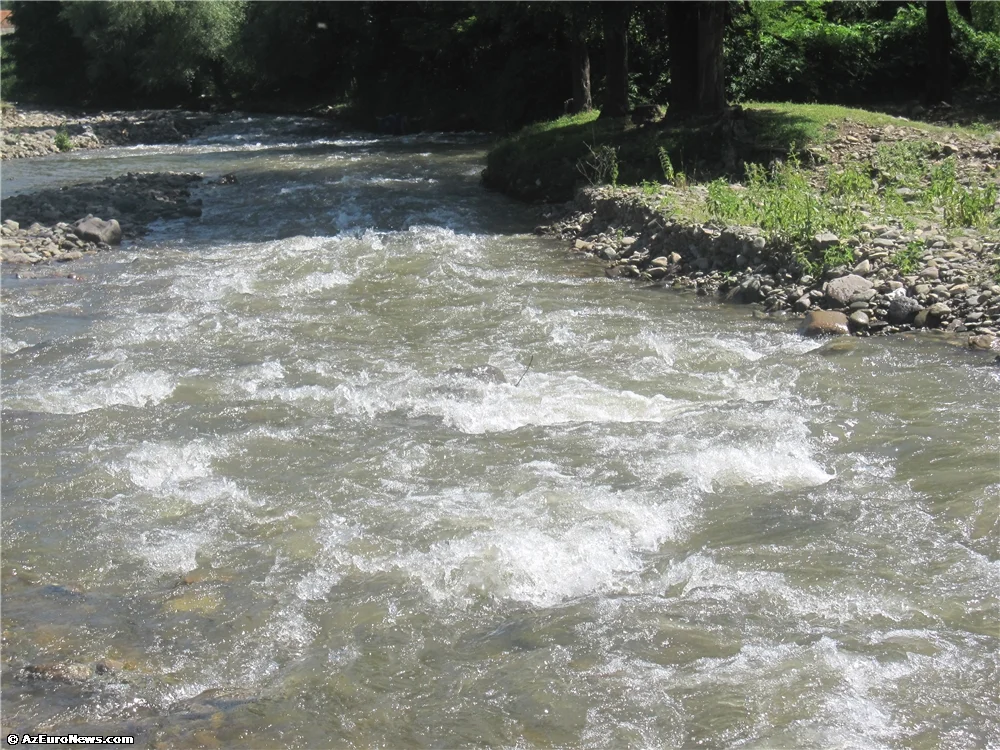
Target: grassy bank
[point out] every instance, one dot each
(795, 171)
(547, 160)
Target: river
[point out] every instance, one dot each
(234, 463)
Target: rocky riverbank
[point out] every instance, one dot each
(52, 225)
(897, 280)
(27, 131)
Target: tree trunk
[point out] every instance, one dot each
(711, 62)
(682, 36)
(938, 53)
(582, 101)
(964, 8)
(616, 18)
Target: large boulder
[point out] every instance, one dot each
(840, 291)
(824, 323)
(93, 229)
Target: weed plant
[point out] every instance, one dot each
(907, 260)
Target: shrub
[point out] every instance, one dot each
(63, 143)
(599, 166)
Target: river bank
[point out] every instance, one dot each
(50, 225)
(946, 284)
(32, 131)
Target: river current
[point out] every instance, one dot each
(235, 465)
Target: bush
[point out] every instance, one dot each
(63, 143)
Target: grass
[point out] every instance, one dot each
(540, 161)
(791, 198)
(788, 206)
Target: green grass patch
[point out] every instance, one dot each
(540, 161)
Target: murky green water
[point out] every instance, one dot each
(685, 527)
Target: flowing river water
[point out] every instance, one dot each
(234, 462)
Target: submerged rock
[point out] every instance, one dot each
(61, 672)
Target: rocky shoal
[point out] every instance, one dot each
(50, 225)
(32, 132)
(952, 286)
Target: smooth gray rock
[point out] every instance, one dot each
(840, 291)
(93, 229)
(824, 240)
(859, 320)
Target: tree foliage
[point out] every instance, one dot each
(473, 64)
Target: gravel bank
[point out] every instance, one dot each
(952, 285)
(28, 131)
(41, 227)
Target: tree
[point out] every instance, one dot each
(580, 58)
(161, 47)
(695, 33)
(616, 16)
(964, 8)
(938, 52)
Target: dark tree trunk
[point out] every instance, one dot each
(616, 17)
(682, 36)
(938, 52)
(964, 8)
(711, 62)
(582, 101)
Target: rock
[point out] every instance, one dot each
(660, 262)
(824, 322)
(903, 309)
(63, 672)
(930, 272)
(93, 229)
(825, 240)
(921, 319)
(12, 225)
(859, 321)
(583, 246)
(863, 268)
(839, 291)
(109, 666)
(938, 310)
(838, 346)
(71, 255)
(612, 272)
(485, 373)
(982, 342)
(803, 303)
